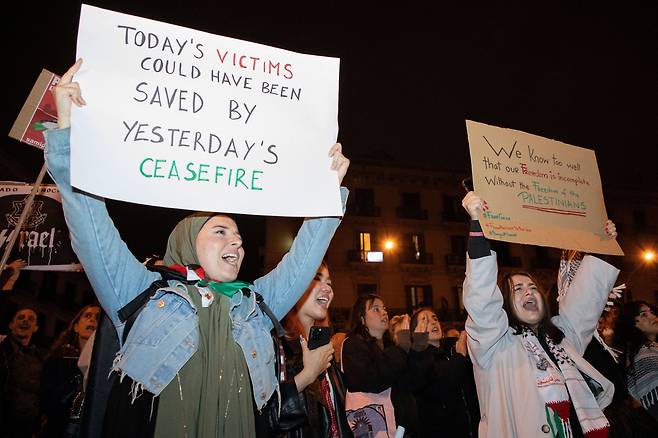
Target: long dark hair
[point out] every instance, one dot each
(545, 326)
(628, 337)
(358, 317)
(413, 322)
(67, 343)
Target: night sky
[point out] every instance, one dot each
(409, 78)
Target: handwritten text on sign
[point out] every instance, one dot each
(539, 191)
(182, 118)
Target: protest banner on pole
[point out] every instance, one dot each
(18, 223)
(539, 191)
(181, 118)
(43, 238)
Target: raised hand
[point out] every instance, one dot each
(474, 205)
(315, 363)
(460, 345)
(421, 327)
(610, 229)
(613, 296)
(17, 264)
(65, 93)
(404, 325)
(340, 163)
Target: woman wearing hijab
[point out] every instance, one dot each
(199, 356)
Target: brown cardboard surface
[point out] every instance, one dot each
(38, 112)
(539, 191)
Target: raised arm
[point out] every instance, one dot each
(487, 324)
(583, 303)
(114, 273)
(285, 284)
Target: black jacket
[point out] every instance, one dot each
(310, 404)
(627, 417)
(368, 368)
(20, 379)
(61, 388)
(447, 401)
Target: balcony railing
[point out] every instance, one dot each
(411, 213)
(423, 258)
(363, 210)
(355, 255)
(451, 216)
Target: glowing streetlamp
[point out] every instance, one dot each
(389, 244)
(647, 257)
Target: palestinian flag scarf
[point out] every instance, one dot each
(562, 387)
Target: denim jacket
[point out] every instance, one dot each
(166, 334)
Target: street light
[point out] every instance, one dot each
(389, 244)
(647, 258)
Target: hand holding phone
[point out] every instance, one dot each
(319, 336)
(317, 357)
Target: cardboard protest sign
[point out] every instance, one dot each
(43, 241)
(539, 191)
(38, 113)
(186, 119)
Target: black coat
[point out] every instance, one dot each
(368, 368)
(310, 404)
(447, 402)
(627, 417)
(20, 379)
(61, 387)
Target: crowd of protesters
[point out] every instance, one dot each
(198, 353)
(42, 390)
(405, 373)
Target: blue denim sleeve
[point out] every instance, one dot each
(285, 284)
(114, 273)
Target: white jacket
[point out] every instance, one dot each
(510, 403)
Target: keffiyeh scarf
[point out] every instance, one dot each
(562, 387)
(643, 375)
(569, 264)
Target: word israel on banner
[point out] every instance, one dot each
(181, 118)
(43, 240)
(539, 191)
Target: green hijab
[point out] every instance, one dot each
(181, 245)
(211, 395)
(181, 250)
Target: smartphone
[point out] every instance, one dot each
(319, 336)
(467, 184)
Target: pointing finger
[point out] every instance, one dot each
(68, 76)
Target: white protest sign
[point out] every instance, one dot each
(539, 191)
(181, 118)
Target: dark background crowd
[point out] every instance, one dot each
(423, 361)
